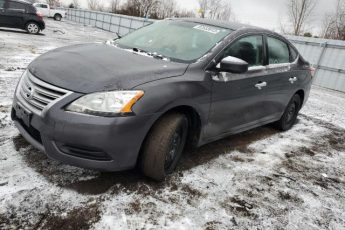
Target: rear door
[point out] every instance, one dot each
(2, 13)
(238, 99)
(14, 14)
(283, 76)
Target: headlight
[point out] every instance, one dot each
(106, 103)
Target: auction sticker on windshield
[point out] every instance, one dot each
(207, 29)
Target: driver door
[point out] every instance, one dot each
(238, 99)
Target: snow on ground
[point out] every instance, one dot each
(261, 179)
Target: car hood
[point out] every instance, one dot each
(96, 67)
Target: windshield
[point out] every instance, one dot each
(176, 40)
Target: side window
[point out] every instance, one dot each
(16, 6)
(293, 54)
(278, 51)
(44, 6)
(248, 49)
(31, 9)
(2, 3)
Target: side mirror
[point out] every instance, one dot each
(233, 65)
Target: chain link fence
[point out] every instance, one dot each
(120, 24)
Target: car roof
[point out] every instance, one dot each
(218, 23)
(235, 26)
(21, 1)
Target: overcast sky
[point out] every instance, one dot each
(264, 13)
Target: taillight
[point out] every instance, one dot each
(40, 15)
(312, 71)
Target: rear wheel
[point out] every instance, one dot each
(164, 146)
(57, 17)
(32, 28)
(290, 115)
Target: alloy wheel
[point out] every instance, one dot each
(33, 28)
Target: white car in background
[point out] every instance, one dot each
(46, 11)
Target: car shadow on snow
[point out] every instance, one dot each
(91, 182)
(19, 31)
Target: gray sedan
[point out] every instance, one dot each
(141, 99)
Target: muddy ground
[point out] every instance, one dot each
(261, 179)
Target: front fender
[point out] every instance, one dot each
(166, 94)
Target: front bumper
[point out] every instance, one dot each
(101, 143)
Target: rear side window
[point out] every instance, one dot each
(278, 51)
(41, 6)
(16, 6)
(248, 49)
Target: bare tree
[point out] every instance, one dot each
(140, 8)
(183, 13)
(299, 12)
(114, 6)
(76, 4)
(93, 4)
(215, 9)
(101, 6)
(146, 6)
(334, 23)
(166, 9)
(53, 3)
(327, 25)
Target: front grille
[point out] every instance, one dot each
(37, 95)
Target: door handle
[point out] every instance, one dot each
(293, 79)
(260, 85)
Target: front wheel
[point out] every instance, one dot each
(164, 146)
(290, 115)
(32, 28)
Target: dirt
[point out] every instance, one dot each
(239, 142)
(80, 218)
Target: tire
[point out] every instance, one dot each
(164, 145)
(57, 17)
(32, 28)
(290, 114)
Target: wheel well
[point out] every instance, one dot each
(194, 130)
(194, 122)
(57, 14)
(301, 95)
(31, 21)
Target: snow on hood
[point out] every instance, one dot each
(95, 67)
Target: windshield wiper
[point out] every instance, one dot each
(152, 54)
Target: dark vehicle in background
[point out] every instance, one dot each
(141, 99)
(20, 15)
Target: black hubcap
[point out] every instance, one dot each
(291, 113)
(174, 149)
